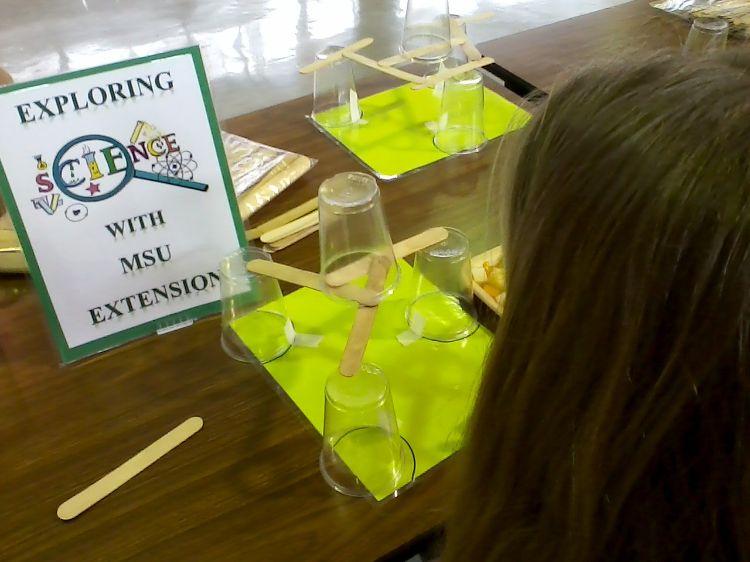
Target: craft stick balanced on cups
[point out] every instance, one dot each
(334, 55)
(344, 289)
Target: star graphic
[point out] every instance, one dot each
(93, 188)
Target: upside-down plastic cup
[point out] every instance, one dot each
(354, 233)
(363, 453)
(427, 24)
(443, 309)
(255, 327)
(707, 35)
(335, 100)
(460, 128)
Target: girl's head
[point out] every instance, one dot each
(612, 423)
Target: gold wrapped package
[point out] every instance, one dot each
(261, 172)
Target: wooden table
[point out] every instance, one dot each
(547, 54)
(247, 486)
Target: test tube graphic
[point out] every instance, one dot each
(88, 156)
(41, 165)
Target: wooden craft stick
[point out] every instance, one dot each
(338, 55)
(451, 72)
(284, 272)
(364, 319)
(484, 16)
(293, 239)
(291, 228)
(419, 241)
(406, 247)
(109, 483)
(400, 74)
(457, 30)
(414, 53)
(471, 52)
(284, 218)
(310, 280)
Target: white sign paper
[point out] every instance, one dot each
(117, 184)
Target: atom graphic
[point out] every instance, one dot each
(176, 165)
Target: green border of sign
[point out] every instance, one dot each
(69, 354)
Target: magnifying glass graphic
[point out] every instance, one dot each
(71, 172)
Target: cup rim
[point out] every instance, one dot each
(480, 133)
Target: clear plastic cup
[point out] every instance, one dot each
(443, 309)
(363, 453)
(354, 233)
(335, 100)
(707, 35)
(427, 24)
(255, 327)
(460, 128)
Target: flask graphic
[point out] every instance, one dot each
(41, 165)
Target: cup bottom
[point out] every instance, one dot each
(442, 317)
(460, 140)
(265, 337)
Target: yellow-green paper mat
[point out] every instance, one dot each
(395, 134)
(433, 384)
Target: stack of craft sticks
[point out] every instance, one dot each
(288, 228)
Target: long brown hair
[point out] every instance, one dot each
(612, 423)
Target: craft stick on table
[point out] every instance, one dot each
(364, 319)
(401, 249)
(284, 218)
(451, 72)
(310, 280)
(110, 482)
(291, 228)
(292, 239)
(338, 55)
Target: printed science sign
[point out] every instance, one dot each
(117, 184)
